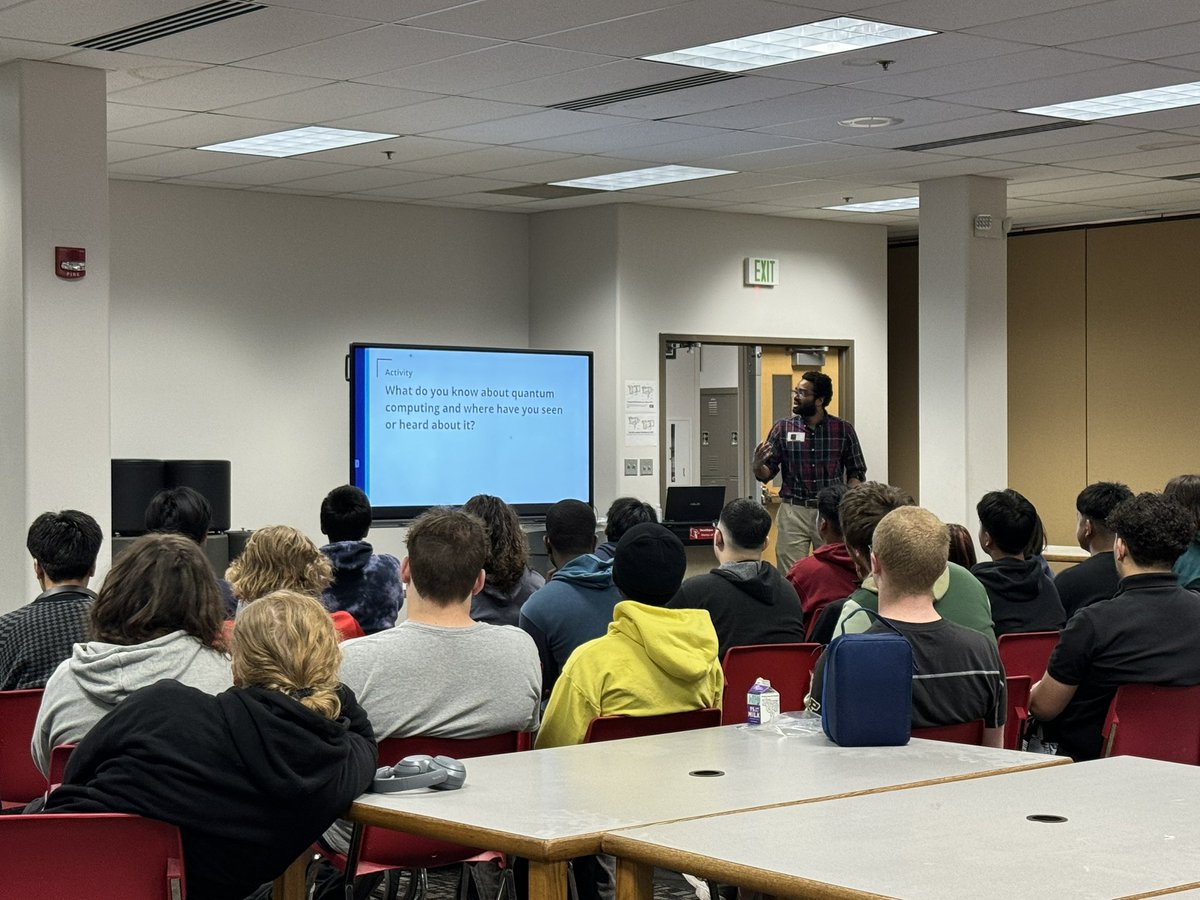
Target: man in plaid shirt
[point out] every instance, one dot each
(813, 449)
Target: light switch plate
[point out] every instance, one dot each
(647, 466)
(631, 467)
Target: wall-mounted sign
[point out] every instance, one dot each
(760, 272)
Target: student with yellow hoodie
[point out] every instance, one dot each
(652, 660)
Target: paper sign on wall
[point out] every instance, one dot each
(641, 396)
(641, 430)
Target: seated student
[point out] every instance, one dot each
(37, 637)
(957, 675)
(440, 673)
(829, 573)
(1095, 578)
(252, 775)
(1185, 490)
(623, 514)
(510, 581)
(1022, 595)
(366, 585)
(957, 594)
(1144, 634)
(184, 510)
(577, 602)
(158, 615)
(747, 598)
(652, 660)
(280, 558)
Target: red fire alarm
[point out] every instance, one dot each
(70, 262)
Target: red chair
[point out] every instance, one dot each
(963, 733)
(1156, 722)
(20, 780)
(101, 856)
(58, 762)
(1019, 687)
(374, 849)
(614, 728)
(1027, 654)
(789, 666)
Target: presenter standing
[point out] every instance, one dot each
(813, 449)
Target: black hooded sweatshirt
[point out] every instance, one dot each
(1022, 594)
(750, 603)
(250, 776)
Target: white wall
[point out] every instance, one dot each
(232, 311)
(681, 272)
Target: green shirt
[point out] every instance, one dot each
(958, 597)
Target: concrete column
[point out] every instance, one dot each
(963, 346)
(54, 363)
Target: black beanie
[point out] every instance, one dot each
(648, 564)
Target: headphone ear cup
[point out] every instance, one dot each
(456, 773)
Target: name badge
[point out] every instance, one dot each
(795, 437)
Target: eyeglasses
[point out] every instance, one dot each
(800, 392)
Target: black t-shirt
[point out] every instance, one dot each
(957, 675)
(1146, 634)
(1088, 582)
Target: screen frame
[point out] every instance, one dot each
(400, 515)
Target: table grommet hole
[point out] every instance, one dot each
(1047, 819)
(706, 773)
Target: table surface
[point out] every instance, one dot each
(1132, 827)
(555, 804)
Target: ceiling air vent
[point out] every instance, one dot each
(649, 90)
(993, 136)
(543, 191)
(1192, 176)
(169, 25)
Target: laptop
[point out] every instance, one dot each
(694, 505)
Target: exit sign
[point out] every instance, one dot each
(760, 272)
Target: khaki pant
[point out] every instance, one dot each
(795, 534)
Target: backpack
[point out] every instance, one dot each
(866, 700)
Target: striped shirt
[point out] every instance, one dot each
(813, 457)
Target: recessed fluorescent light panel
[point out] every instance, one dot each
(636, 178)
(879, 206)
(1169, 97)
(298, 141)
(772, 48)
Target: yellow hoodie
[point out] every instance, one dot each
(651, 661)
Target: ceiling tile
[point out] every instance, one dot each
(359, 179)
(1072, 86)
(273, 171)
(1153, 44)
(122, 116)
(567, 86)
(195, 130)
(380, 48)
(515, 20)
(546, 124)
(374, 10)
(796, 107)
(213, 88)
(624, 138)
(396, 151)
(727, 144)
(119, 151)
(489, 160)
(1094, 20)
(179, 163)
(322, 104)
(68, 21)
(492, 67)
(724, 96)
(442, 187)
(446, 112)
(11, 49)
(565, 169)
(950, 16)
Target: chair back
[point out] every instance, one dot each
(101, 856)
(963, 733)
(20, 780)
(1027, 654)
(1019, 687)
(1156, 722)
(384, 848)
(614, 728)
(58, 762)
(789, 666)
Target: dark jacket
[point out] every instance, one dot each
(250, 776)
(365, 584)
(1023, 596)
(750, 603)
(503, 607)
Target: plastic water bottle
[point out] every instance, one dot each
(762, 703)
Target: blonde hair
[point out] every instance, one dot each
(286, 642)
(279, 558)
(912, 546)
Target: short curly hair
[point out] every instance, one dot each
(864, 506)
(508, 548)
(1155, 529)
(279, 558)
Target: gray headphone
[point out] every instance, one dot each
(442, 773)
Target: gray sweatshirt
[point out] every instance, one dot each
(97, 676)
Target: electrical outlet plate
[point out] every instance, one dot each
(647, 466)
(631, 467)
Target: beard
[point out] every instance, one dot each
(804, 410)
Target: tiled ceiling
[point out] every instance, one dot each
(469, 86)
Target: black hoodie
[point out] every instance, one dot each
(250, 776)
(750, 603)
(1022, 594)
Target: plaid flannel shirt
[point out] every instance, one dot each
(827, 453)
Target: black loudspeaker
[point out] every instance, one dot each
(134, 484)
(209, 477)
